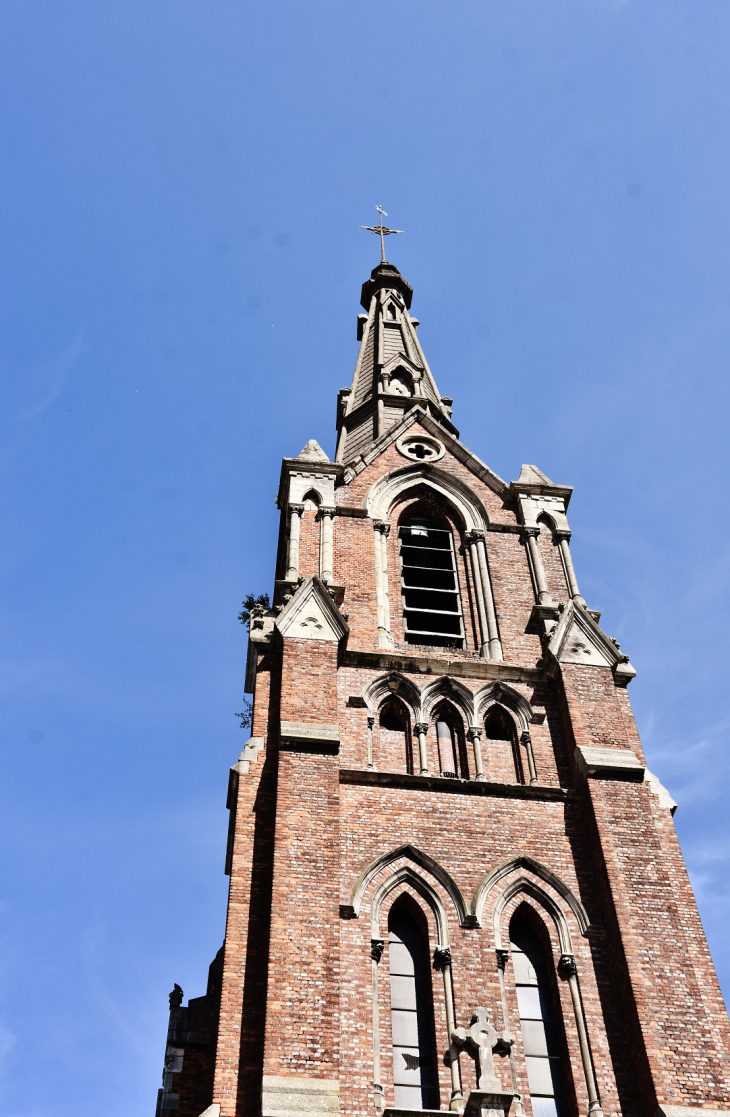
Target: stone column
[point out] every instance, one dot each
(491, 647)
(371, 723)
(563, 538)
(471, 544)
(538, 570)
(295, 523)
(475, 736)
(421, 729)
(382, 603)
(443, 962)
(495, 646)
(502, 960)
(326, 539)
(527, 742)
(376, 953)
(568, 971)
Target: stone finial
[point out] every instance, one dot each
(176, 997)
(531, 475)
(313, 452)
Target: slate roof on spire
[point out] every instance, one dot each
(391, 374)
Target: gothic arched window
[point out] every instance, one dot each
(543, 1039)
(411, 1010)
(503, 755)
(431, 602)
(401, 383)
(395, 752)
(450, 742)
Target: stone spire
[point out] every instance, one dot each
(391, 374)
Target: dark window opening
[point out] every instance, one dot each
(540, 1024)
(411, 1011)
(431, 604)
(395, 750)
(499, 726)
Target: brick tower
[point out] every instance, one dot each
(454, 884)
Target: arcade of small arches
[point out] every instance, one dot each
(531, 919)
(444, 729)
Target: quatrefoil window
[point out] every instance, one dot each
(420, 448)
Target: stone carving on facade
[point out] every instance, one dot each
(483, 1039)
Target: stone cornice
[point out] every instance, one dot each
(368, 778)
(427, 665)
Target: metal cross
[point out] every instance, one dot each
(382, 231)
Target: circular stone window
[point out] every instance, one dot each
(420, 447)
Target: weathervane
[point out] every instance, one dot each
(382, 231)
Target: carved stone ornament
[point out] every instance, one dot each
(377, 946)
(420, 727)
(483, 1039)
(420, 447)
(502, 957)
(442, 957)
(566, 966)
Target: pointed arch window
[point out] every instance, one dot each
(411, 1011)
(431, 603)
(505, 760)
(395, 747)
(540, 1022)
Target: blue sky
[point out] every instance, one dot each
(182, 185)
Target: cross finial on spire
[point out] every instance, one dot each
(382, 231)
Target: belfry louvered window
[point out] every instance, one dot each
(431, 604)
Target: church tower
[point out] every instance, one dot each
(454, 883)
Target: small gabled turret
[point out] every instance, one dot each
(391, 374)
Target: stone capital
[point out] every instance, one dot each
(474, 732)
(326, 511)
(382, 527)
(502, 957)
(474, 536)
(298, 508)
(421, 727)
(377, 946)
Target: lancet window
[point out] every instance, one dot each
(543, 1039)
(395, 752)
(503, 755)
(432, 612)
(450, 743)
(411, 1011)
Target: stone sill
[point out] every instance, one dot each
(370, 778)
(471, 666)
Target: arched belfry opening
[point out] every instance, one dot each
(411, 1008)
(432, 607)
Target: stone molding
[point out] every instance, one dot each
(689, 1111)
(457, 786)
(310, 737)
(616, 764)
(292, 1096)
(664, 1110)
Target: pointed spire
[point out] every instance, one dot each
(391, 374)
